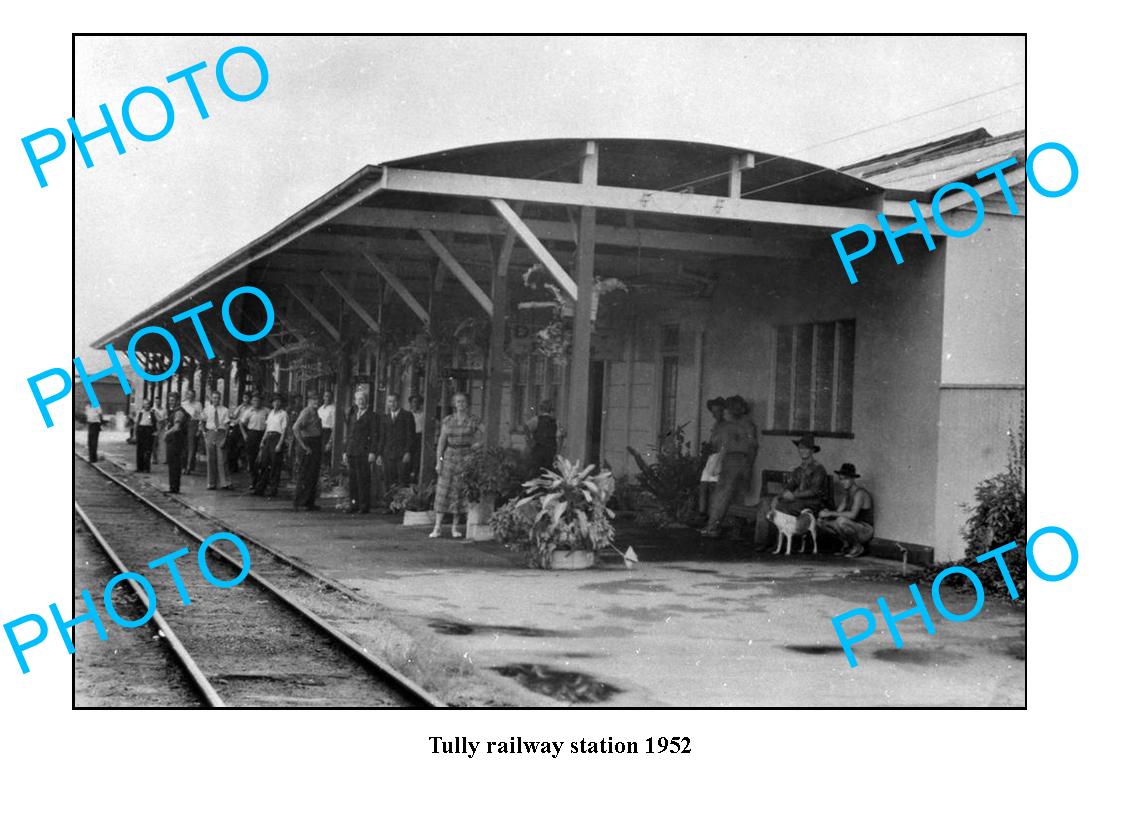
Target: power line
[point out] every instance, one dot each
(894, 147)
(860, 132)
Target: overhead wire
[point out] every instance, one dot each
(863, 131)
(889, 150)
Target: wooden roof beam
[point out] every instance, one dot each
(332, 331)
(351, 301)
(458, 271)
(658, 202)
(397, 286)
(567, 284)
(548, 230)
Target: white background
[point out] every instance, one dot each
(1057, 754)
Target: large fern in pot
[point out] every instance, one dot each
(572, 509)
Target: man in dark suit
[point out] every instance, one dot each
(359, 453)
(395, 442)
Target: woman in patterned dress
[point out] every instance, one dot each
(460, 435)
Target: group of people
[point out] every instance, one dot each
(259, 440)
(732, 452)
(390, 441)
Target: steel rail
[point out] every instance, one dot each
(377, 667)
(277, 554)
(199, 679)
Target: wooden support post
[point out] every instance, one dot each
(699, 373)
(578, 431)
(342, 405)
(430, 396)
(241, 379)
(493, 394)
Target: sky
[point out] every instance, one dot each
(151, 219)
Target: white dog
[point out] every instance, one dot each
(790, 525)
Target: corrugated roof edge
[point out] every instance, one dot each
(961, 143)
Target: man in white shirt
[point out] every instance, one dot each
(327, 421)
(272, 454)
(144, 428)
(194, 410)
(216, 420)
(93, 430)
(252, 422)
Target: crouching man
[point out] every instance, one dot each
(852, 523)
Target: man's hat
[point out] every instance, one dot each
(719, 401)
(737, 402)
(807, 441)
(848, 470)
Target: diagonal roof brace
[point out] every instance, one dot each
(567, 284)
(457, 270)
(397, 285)
(351, 301)
(332, 331)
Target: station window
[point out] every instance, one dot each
(813, 378)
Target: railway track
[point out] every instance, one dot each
(252, 645)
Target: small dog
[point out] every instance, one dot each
(790, 525)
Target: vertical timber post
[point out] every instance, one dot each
(429, 390)
(342, 386)
(493, 396)
(582, 323)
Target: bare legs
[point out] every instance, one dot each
(456, 531)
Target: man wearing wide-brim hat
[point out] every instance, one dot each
(736, 441)
(853, 521)
(807, 488)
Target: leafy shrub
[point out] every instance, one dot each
(672, 480)
(413, 498)
(572, 511)
(629, 496)
(513, 524)
(997, 517)
(497, 471)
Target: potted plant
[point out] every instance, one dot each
(513, 523)
(489, 473)
(415, 504)
(671, 480)
(572, 520)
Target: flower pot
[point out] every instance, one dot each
(479, 514)
(571, 559)
(417, 518)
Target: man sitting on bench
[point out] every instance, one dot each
(807, 486)
(853, 521)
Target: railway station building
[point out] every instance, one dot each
(630, 280)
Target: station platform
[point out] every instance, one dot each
(694, 624)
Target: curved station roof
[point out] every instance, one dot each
(661, 206)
